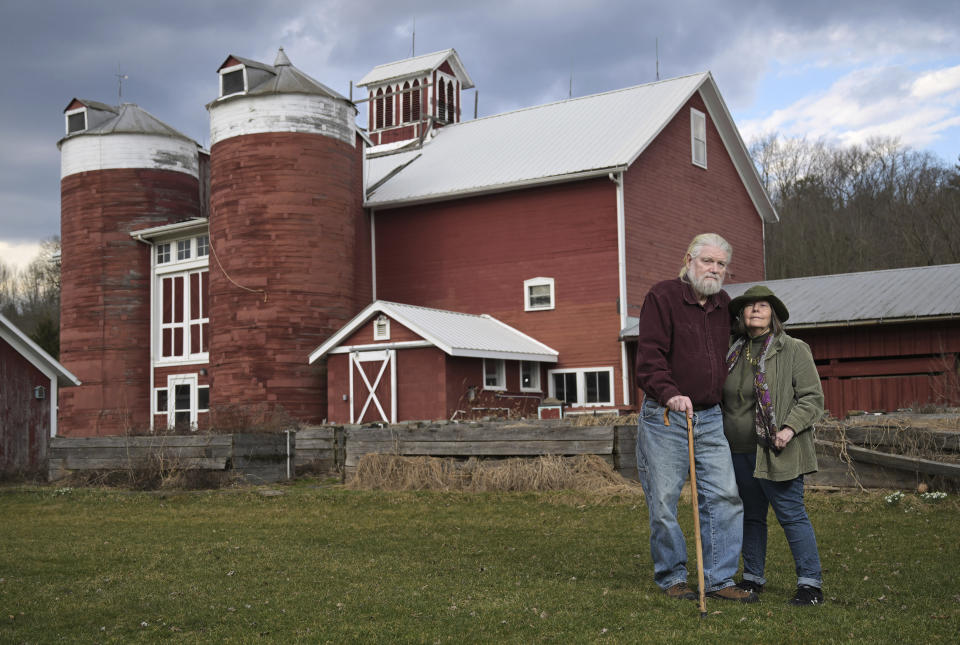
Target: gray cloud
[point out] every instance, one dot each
(519, 53)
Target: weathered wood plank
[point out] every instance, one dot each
(903, 462)
(84, 463)
(164, 440)
(314, 432)
(484, 433)
(141, 452)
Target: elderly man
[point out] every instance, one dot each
(684, 333)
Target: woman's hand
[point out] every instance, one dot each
(783, 437)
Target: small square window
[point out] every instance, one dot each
(203, 246)
(494, 374)
(183, 249)
(538, 294)
(163, 253)
(203, 398)
(565, 387)
(232, 82)
(77, 122)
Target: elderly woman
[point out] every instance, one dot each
(771, 399)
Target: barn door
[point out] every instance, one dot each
(373, 386)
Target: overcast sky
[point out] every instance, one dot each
(840, 70)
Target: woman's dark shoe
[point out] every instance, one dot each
(807, 595)
(750, 585)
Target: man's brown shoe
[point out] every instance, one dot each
(734, 593)
(680, 591)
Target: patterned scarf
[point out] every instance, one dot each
(765, 420)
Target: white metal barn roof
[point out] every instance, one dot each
(891, 295)
(457, 334)
(417, 65)
(571, 139)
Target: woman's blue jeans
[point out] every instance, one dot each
(787, 500)
(663, 464)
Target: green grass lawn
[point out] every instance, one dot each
(319, 564)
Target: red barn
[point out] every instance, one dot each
(882, 340)
(212, 278)
(30, 380)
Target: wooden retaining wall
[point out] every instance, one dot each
(336, 450)
(256, 457)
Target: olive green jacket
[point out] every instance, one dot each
(798, 403)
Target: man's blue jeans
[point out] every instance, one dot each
(664, 464)
(787, 500)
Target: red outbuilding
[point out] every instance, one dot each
(30, 380)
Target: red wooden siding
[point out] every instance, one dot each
(286, 223)
(473, 255)
(105, 302)
(668, 201)
(24, 420)
(885, 367)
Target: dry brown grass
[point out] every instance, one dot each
(584, 473)
(588, 420)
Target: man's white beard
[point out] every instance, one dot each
(704, 286)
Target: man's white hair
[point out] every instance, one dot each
(702, 240)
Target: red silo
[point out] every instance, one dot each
(121, 170)
(288, 233)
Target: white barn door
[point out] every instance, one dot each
(373, 386)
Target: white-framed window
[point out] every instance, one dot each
(180, 317)
(184, 319)
(589, 386)
(494, 374)
(529, 376)
(381, 328)
(160, 405)
(698, 137)
(76, 120)
(183, 249)
(233, 80)
(181, 400)
(538, 294)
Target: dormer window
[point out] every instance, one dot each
(76, 120)
(232, 80)
(381, 328)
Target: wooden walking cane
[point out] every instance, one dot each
(696, 512)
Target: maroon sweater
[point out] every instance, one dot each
(682, 346)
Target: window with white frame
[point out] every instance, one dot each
(232, 80)
(76, 120)
(494, 374)
(582, 387)
(182, 400)
(698, 137)
(529, 376)
(180, 317)
(538, 294)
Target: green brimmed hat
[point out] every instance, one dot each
(755, 293)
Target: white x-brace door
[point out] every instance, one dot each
(388, 360)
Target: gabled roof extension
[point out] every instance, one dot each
(40, 359)
(280, 78)
(576, 138)
(417, 66)
(457, 334)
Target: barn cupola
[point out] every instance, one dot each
(407, 98)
